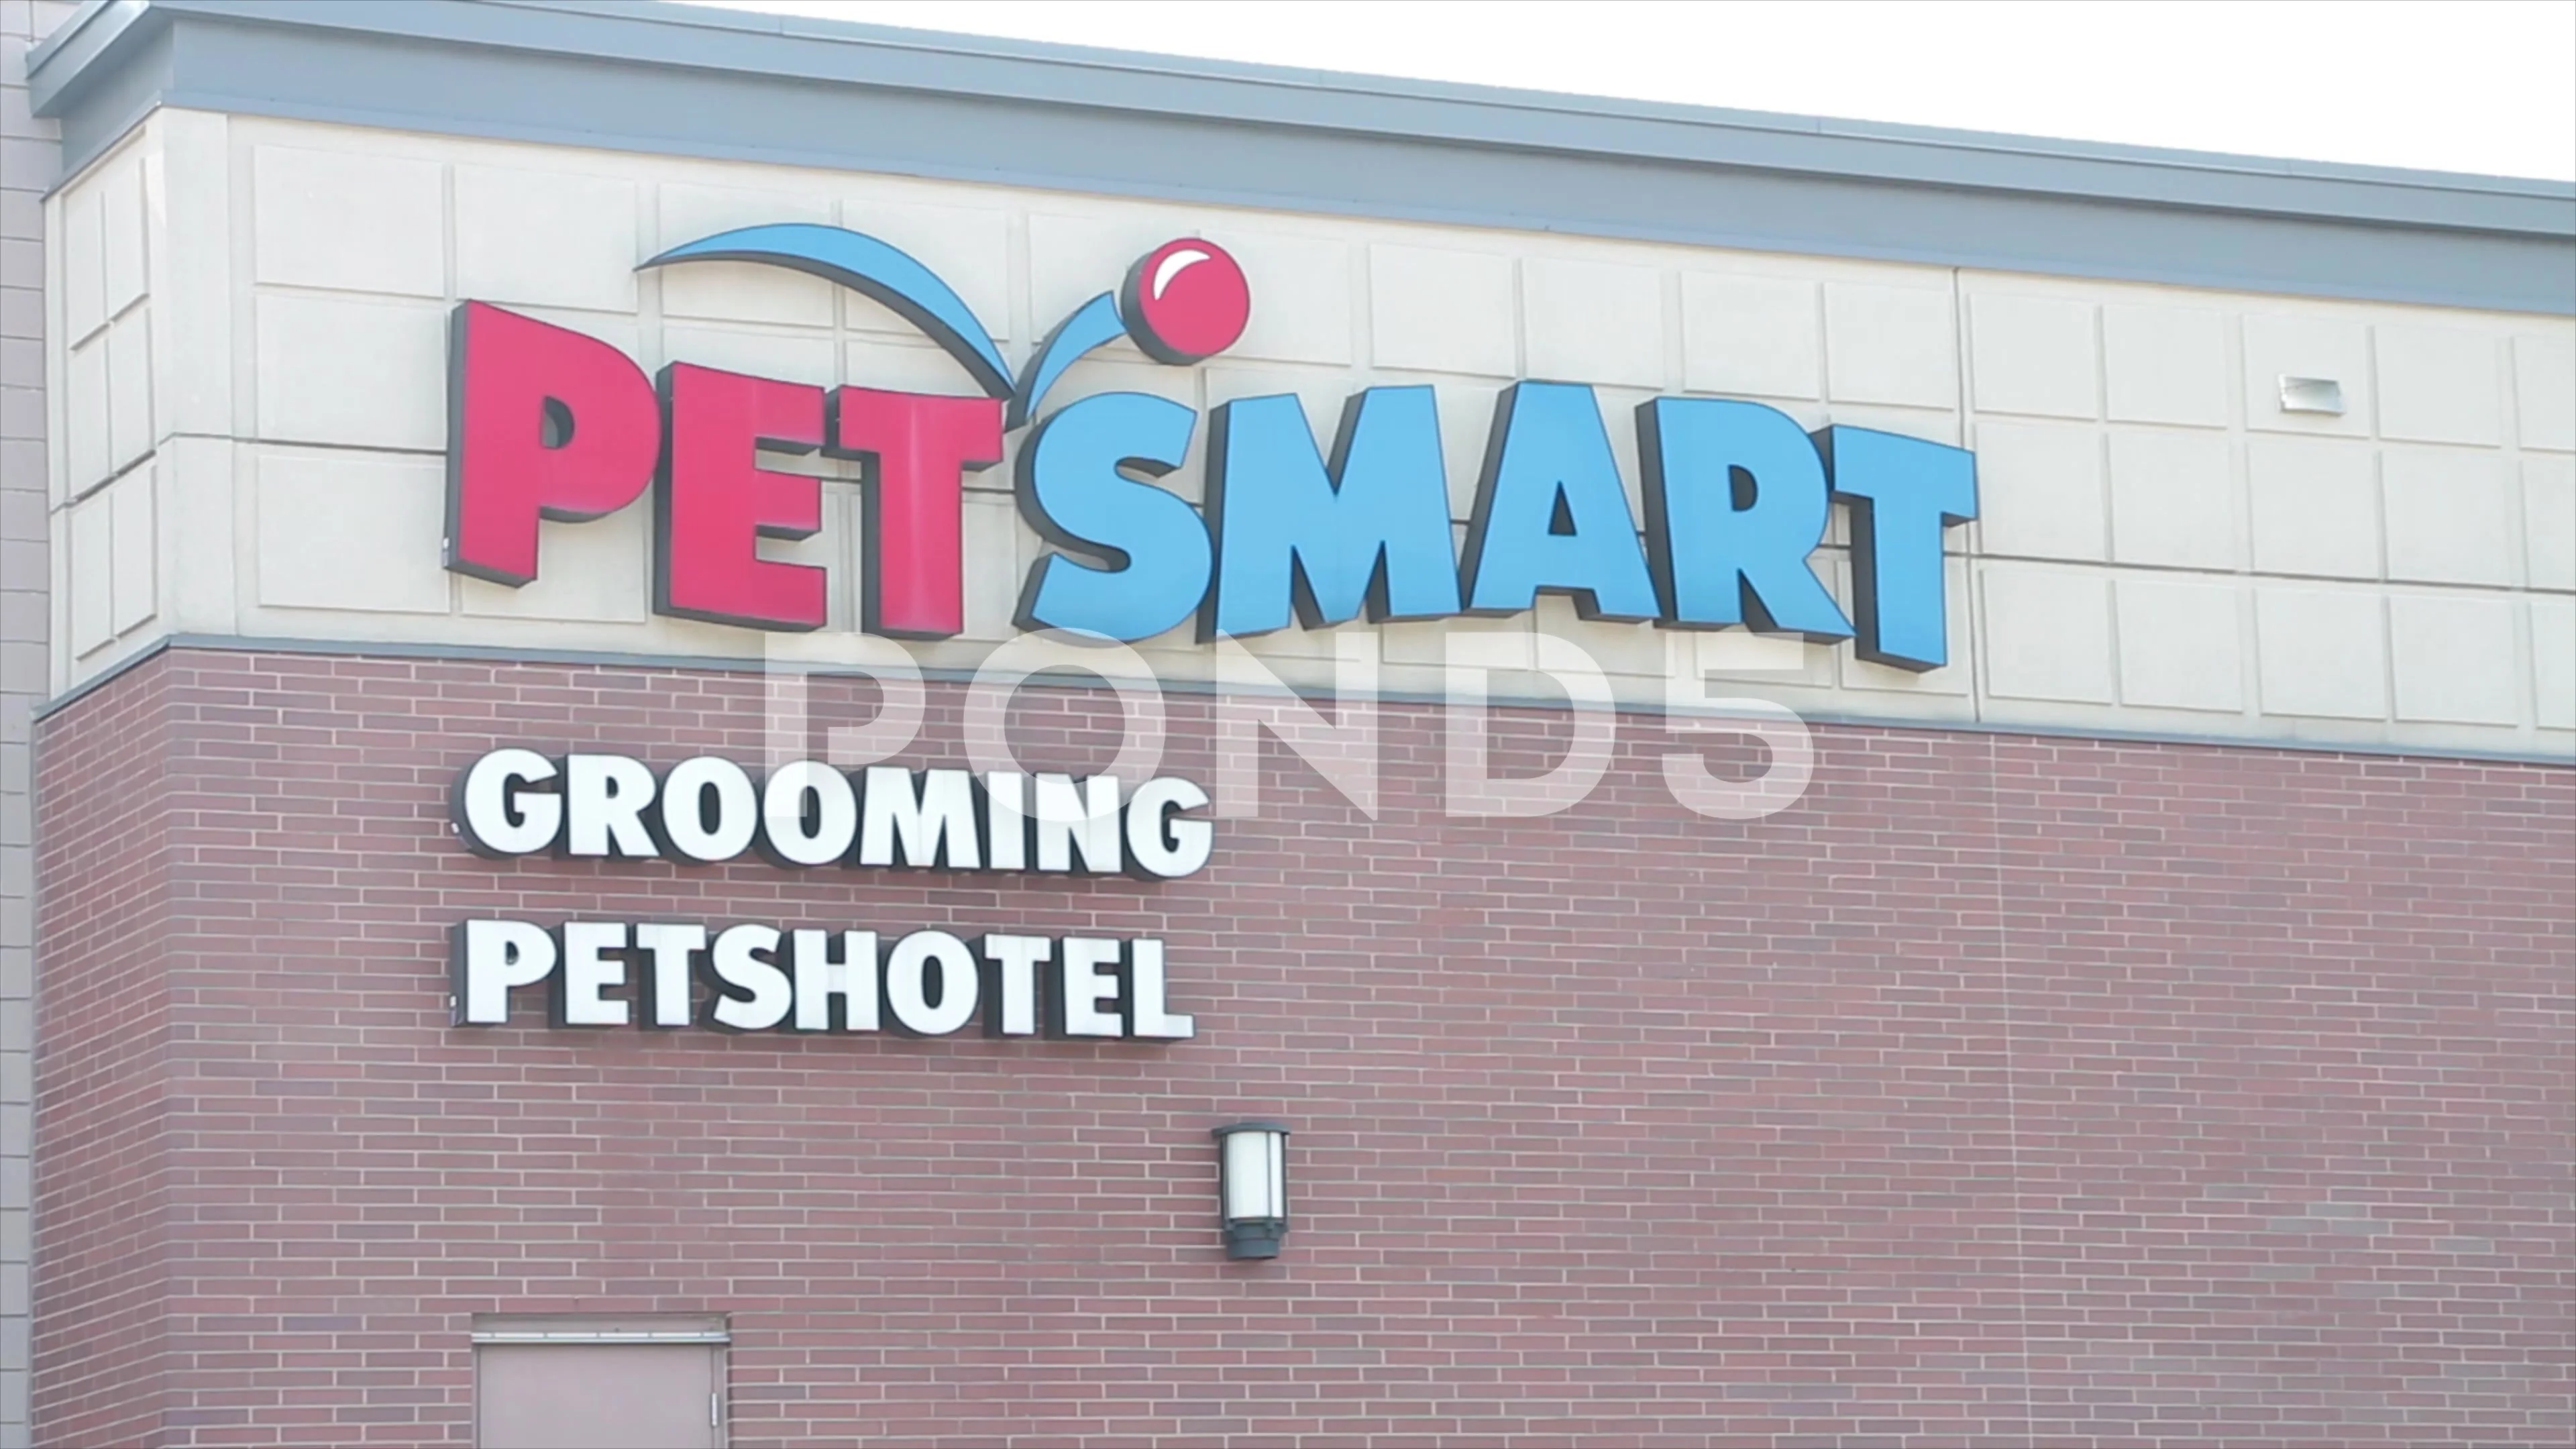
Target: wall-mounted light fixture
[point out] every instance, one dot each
(1252, 1187)
(2311, 395)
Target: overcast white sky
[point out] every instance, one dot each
(2458, 85)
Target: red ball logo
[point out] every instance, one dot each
(1185, 301)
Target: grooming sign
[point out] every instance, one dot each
(808, 815)
(547, 423)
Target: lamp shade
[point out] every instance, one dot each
(1252, 1187)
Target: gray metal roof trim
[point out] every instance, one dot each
(1419, 109)
(1182, 103)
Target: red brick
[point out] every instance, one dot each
(2008, 1090)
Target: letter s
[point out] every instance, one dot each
(1154, 545)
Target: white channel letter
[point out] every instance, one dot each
(907, 985)
(1011, 986)
(1146, 1011)
(1086, 977)
(1006, 820)
(492, 958)
(784, 811)
(744, 957)
(1084, 821)
(1249, 699)
(822, 977)
(1158, 839)
(497, 815)
(587, 970)
(604, 801)
(701, 786)
(907, 819)
(666, 976)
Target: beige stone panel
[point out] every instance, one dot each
(348, 531)
(738, 291)
(1075, 256)
(805, 355)
(357, 221)
(904, 364)
(546, 238)
(1754, 336)
(2315, 506)
(1439, 310)
(2450, 515)
(203, 482)
(86, 449)
(130, 430)
(2165, 365)
(91, 569)
(2322, 652)
(2047, 633)
(1595, 322)
(1320, 391)
(1296, 655)
(2173, 499)
(598, 571)
(2439, 385)
(2553, 661)
(968, 247)
(2453, 657)
(349, 371)
(196, 317)
(2549, 522)
(2182, 643)
(2033, 355)
(84, 259)
(2279, 344)
(1892, 345)
(1936, 425)
(2544, 383)
(1301, 295)
(125, 270)
(2040, 491)
(1742, 654)
(1423, 643)
(134, 524)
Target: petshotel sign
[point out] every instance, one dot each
(547, 423)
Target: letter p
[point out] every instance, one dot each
(542, 422)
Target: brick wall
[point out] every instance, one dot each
(2009, 1090)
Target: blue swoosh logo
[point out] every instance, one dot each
(1093, 324)
(871, 268)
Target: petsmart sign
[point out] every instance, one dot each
(546, 423)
